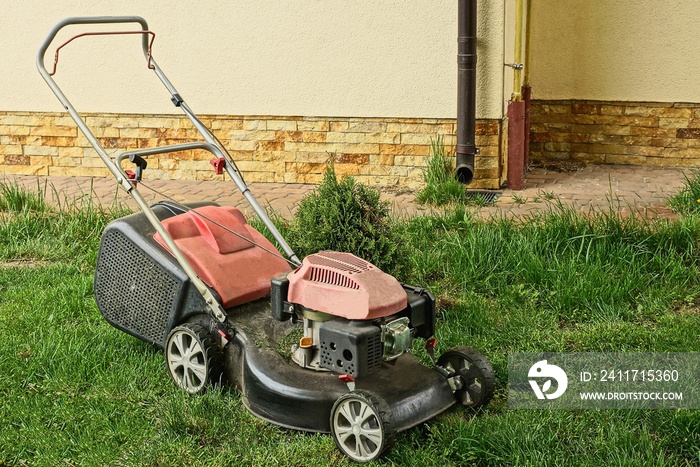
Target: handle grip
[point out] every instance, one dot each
(139, 161)
(141, 165)
(89, 20)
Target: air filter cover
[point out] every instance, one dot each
(341, 284)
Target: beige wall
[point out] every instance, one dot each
(366, 58)
(636, 50)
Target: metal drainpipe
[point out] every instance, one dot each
(466, 89)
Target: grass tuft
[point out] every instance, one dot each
(441, 186)
(16, 199)
(35, 229)
(687, 201)
(556, 270)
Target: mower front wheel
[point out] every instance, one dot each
(473, 379)
(361, 426)
(194, 358)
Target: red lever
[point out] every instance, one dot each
(106, 33)
(349, 381)
(132, 176)
(346, 379)
(430, 348)
(218, 165)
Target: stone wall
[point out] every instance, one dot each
(612, 132)
(377, 151)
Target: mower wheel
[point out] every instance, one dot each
(194, 358)
(476, 380)
(361, 426)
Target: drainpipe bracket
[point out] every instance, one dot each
(466, 149)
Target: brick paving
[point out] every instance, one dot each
(624, 188)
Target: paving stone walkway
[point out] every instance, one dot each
(625, 188)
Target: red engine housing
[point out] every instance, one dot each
(341, 284)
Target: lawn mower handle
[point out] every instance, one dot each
(177, 101)
(137, 156)
(122, 178)
(170, 148)
(62, 97)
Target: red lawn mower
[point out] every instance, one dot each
(199, 282)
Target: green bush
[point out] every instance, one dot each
(344, 215)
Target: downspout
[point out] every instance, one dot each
(466, 91)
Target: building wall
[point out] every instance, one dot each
(616, 82)
(616, 132)
(608, 50)
(284, 84)
(394, 58)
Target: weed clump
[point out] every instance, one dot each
(687, 201)
(344, 215)
(441, 186)
(17, 199)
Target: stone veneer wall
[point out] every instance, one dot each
(640, 133)
(377, 151)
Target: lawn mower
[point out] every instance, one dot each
(197, 281)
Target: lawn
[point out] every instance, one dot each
(76, 391)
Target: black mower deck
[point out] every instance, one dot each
(279, 391)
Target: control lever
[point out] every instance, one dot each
(141, 165)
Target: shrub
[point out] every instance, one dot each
(344, 215)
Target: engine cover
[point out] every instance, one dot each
(341, 284)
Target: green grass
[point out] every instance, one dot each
(32, 228)
(441, 187)
(76, 391)
(687, 201)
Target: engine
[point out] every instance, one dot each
(355, 316)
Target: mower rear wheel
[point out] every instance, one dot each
(476, 381)
(361, 426)
(194, 358)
